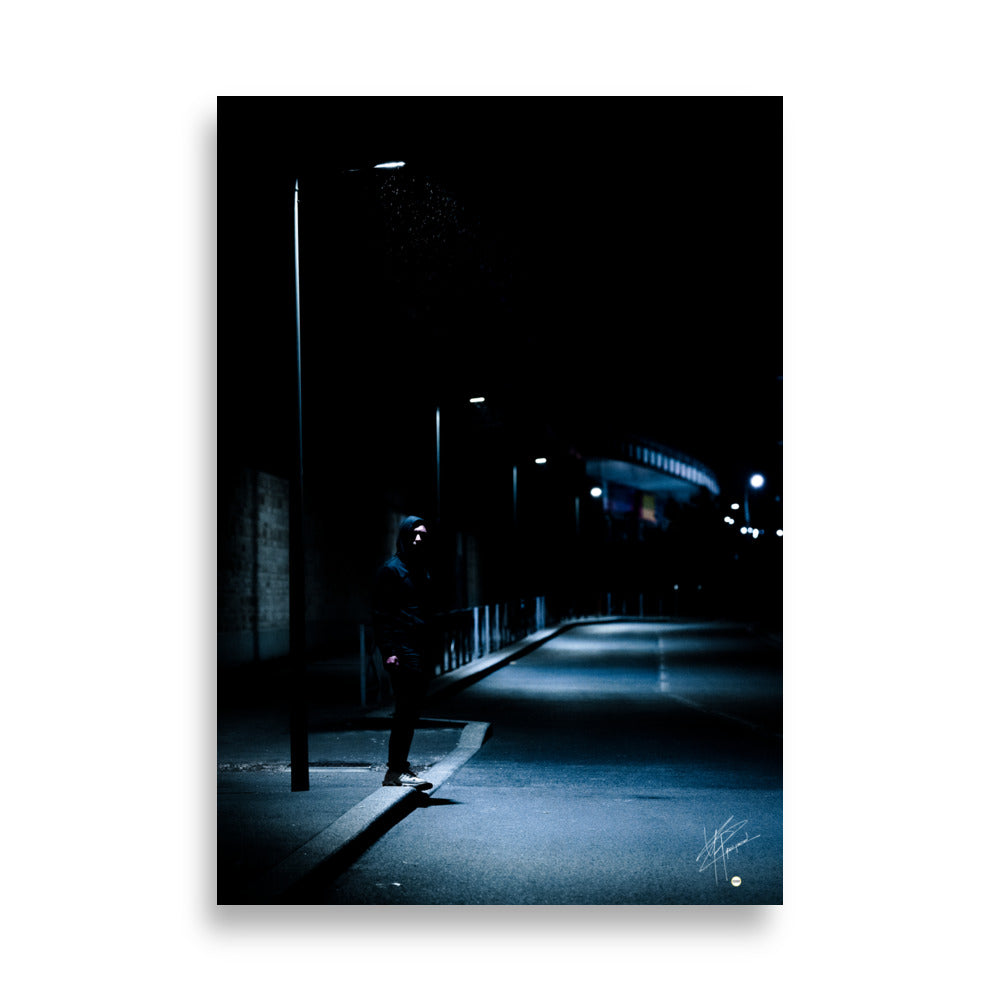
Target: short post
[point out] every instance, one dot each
(475, 633)
(364, 668)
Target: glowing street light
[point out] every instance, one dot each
(756, 481)
(388, 165)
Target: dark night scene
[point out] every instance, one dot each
(500, 532)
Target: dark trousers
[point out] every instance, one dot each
(409, 687)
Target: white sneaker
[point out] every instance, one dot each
(406, 779)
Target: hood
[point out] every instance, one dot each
(404, 540)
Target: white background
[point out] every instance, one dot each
(107, 229)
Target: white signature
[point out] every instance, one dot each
(720, 847)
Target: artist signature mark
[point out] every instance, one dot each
(722, 843)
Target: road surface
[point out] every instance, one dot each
(630, 763)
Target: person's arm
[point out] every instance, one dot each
(385, 607)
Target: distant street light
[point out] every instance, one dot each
(756, 481)
(596, 492)
(474, 400)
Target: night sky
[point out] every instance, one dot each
(586, 264)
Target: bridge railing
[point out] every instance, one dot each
(471, 633)
(459, 637)
(468, 634)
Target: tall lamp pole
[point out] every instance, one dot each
(475, 400)
(437, 467)
(299, 721)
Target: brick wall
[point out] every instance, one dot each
(346, 540)
(253, 594)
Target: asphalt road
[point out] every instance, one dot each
(630, 763)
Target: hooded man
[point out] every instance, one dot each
(401, 607)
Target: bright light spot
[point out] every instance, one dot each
(478, 399)
(728, 520)
(540, 461)
(743, 531)
(780, 533)
(392, 165)
(734, 506)
(596, 491)
(757, 481)
(755, 532)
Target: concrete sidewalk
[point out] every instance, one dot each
(271, 841)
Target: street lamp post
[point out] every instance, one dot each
(756, 481)
(514, 507)
(437, 467)
(459, 574)
(299, 722)
(475, 401)
(299, 714)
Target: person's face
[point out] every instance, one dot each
(420, 540)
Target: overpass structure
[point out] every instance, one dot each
(639, 476)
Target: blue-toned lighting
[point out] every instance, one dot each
(757, 481)
(392, 165)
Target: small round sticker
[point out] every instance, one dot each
(736, 880)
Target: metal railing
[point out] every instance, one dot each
(469, 634)
(459, 637)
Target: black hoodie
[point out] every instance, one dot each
(401, 602)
